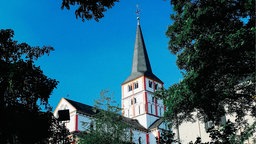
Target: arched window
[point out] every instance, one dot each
(156, 86)
(129, 88)
(136, 85)
(133, 101)
(150, 83)
(153, 99)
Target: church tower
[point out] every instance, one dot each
(138, 101)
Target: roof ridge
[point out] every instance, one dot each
(82, 109)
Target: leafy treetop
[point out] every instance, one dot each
(88, 9)
(23, 90)
(214, 42)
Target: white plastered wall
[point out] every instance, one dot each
(63, 104)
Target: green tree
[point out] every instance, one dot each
(24, 93)
(226, 135)
(107, 125)
(167, 137)
(89, 9)
(57, 133)
(214, 42)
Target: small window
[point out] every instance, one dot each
(91, 125)
(222, 120)
(129, 88)
(136, 85)
(139, 109)
(151, 109)
(208, 125)
(153, 99)
(160, 111)
(150, 84)
(134, 100)
(156, 86)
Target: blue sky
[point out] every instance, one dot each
(92, 56)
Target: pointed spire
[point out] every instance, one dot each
(140, 56)
(141, 64)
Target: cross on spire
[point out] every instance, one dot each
(138, 14)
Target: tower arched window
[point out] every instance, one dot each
(133, 101)
(153, 99)
(150, 83)
(151, 109)
(156, 86)
(129, 88)
(136, 85)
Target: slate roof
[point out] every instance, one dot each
(90, 111)
(156, 124)
(82, 108)
(141, 64)
(134, 123)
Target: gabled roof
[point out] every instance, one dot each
(134, 124)
(90, 111)
(140, 64)
(156, 124)
(82, 108)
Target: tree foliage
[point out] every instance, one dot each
(107, 124)
(167, 137)
(89, 9)
(214, 42)
(226, 134)
(24, 93)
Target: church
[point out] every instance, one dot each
(140, 109)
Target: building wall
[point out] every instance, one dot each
(72, 124)
(138, 100)
(84, 122)
(152, 85)
(134, 105)
(63, 104)
(153, 135)
(136, 134)
(189, 131)
(139, 135)
(164, 126)
(80, 122)
(125, 88)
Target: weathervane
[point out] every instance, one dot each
(138, 14)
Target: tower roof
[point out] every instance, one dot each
(141, 64)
